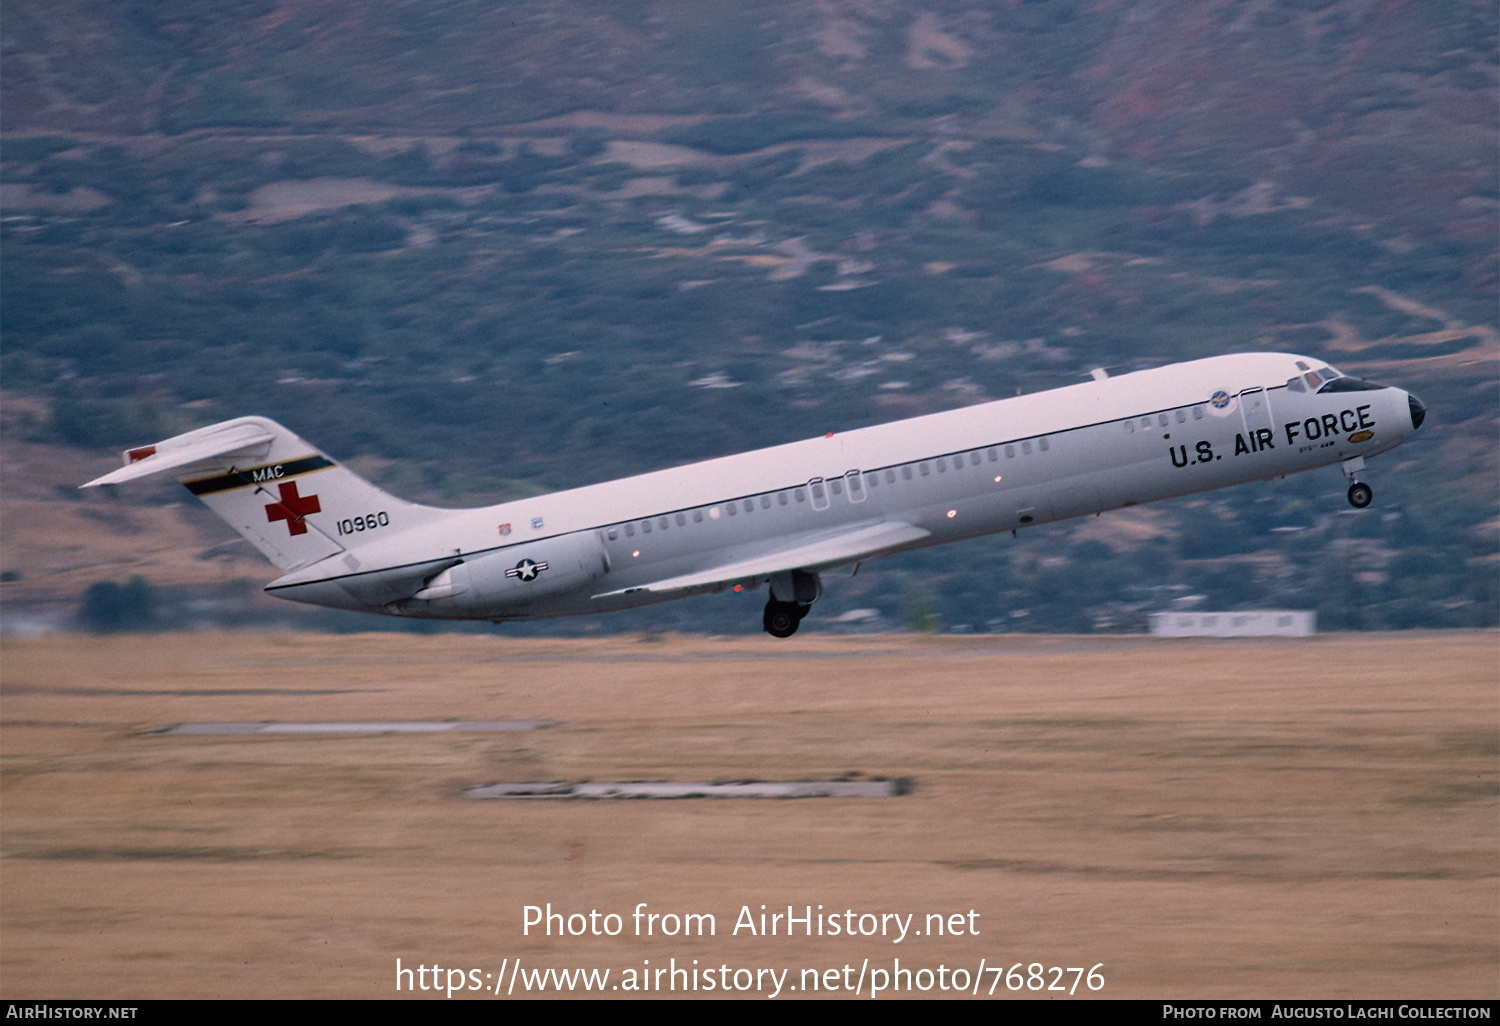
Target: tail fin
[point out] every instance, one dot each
(285, 497)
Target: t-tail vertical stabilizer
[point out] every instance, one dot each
(285, 497)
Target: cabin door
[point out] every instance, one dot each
(817, 489)
(1255, 406)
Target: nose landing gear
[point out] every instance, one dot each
(1360, 493)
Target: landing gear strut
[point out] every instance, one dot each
(792, 594)
(781, 619)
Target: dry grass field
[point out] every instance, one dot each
(1287, 818)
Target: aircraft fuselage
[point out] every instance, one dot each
(995, 467)
(784, 514)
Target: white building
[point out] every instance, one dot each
(1254, 623)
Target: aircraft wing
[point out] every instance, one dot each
(828, 551)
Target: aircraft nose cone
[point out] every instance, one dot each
(1418, 411)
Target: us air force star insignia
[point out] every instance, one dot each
(526, 570)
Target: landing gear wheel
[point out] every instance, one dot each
(1360, 495)
(781, 619)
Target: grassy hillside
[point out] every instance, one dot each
(487, 249)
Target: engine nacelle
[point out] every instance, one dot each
(504, 583)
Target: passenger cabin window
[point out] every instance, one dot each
(836, 486)
(749, 505)
(614, 534)
(1026, 447)
(1010, 452)
(682, 520)
(1043, 443)
(697, 516)
(906, 472)
(992, 454)
(630, 530)
(942, 466)
(1197, 413)
(765, 502)
(729, 508)
(925, 470)
(799, 494)
(645, 526)
(1181, 416)
(974, 458)
(781, 498)
(663, 523)
(890, 477)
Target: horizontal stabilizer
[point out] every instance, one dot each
(861, 543)
(233, 439)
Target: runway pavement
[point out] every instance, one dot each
(1195, 818)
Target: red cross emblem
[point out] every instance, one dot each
(292, 508)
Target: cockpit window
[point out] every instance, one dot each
(1351, 385)
(1327, 373)
(1295, 384)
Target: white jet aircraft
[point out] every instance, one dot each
(786, 514)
